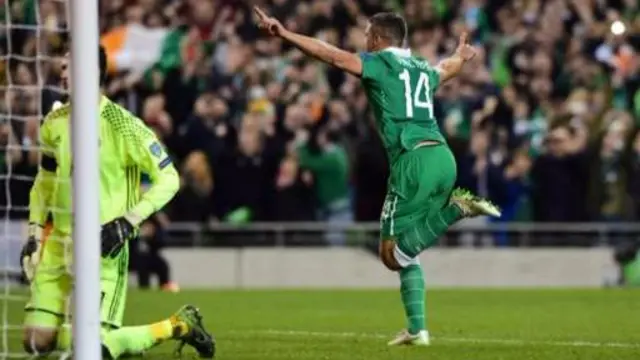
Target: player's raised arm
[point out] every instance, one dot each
(319, 49)
(143, 149)
(451, 66)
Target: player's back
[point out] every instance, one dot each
(125, 143)
(400, 89)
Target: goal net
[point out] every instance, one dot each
(33, 37)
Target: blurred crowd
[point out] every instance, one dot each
(544, 122)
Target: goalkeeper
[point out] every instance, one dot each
(127, 147)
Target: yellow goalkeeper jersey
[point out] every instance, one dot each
(127, 148)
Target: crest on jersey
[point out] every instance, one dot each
(155, 149)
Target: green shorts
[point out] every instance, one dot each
(51, 288)
(420, 184)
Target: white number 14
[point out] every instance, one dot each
(415, 98)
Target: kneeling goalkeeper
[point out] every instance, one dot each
(127, 148)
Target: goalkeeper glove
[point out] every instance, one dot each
(30, 254)
(114, 236)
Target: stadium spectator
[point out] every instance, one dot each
(207, 129)
(627, 257)
(633, 182)
(328, 164)
(194, 200)
(244, 177)
(558, 176)
(293, 199)
(370, 177)
(146, 258)
(608, 193)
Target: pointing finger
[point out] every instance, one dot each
(261, 15)
(463, 38)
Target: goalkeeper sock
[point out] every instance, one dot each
(412, 293)
(63, 341)
(417, 238)
(134, 340)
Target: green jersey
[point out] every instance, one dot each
(127, 148)
(400, 89)
(330, 168)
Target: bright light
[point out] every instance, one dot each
(618, 27)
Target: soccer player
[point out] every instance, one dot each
(127, 147)
(420, 204)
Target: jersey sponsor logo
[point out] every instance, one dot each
(155, 149)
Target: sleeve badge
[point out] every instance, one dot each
(155, 149)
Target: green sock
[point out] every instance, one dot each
(412, 293)
(63, 341)
(134, 340)
(417, 238)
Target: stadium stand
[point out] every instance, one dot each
(544, 123)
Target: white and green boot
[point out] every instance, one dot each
(406, 338)
(472, 205)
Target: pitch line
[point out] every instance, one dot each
(469, 340)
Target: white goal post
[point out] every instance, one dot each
(85, 97)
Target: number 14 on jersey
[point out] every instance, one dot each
(418, 98)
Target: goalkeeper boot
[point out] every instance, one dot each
(472, 205)
(196, 336)
(406, 338)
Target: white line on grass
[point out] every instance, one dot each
(470, 340)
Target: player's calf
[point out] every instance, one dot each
(393, 257)
(387, 255)
(39, 341)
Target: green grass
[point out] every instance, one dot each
(349, 325)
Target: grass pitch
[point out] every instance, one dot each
(350, 325)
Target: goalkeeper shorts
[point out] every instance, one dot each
(52, 285)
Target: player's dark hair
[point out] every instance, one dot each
(102, 56)
(390, 26)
